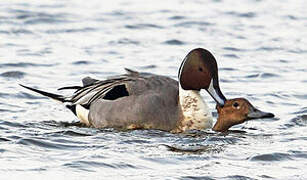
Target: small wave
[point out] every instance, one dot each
(196, 178)
(228, 69)
(280, 95)
(72, 133)
(196, 150)
(82, 62)
(125, 41)
(63, 124)
(231, 56)
(24, 95)
(116, 13)
(173, 42)
(239, 177)
(188, 24)
(32, 17)
(224, 139)
(12, 124)
(152, 66)
(143, 26)
(84, 165)
(135, 141)
(300, 96)
(283, 61)
(4, 32)
(268, 75)
(10, 111)
(262, 75)
(45, 21)
(47, 6)
(271, 157)
(233, 49)
(291, 17)
(269, 49)
(24, 64)
(76, 30)
(13, 74)
(176, 17)
(16, 31)
(301, 111)
(45, 144)
(21, 31)
(299, 154)
(244, 15)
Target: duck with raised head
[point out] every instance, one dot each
(146, 101)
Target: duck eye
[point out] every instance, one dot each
(236, 105)
(200, 69)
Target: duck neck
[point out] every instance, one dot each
(221, 125)
(195, 111)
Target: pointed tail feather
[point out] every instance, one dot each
(44, 93)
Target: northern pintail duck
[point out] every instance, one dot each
(146, 101)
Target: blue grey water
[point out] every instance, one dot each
(261, 50)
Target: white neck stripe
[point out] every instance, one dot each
(214, 94)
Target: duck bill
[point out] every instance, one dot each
(216, 94)
(257, 114)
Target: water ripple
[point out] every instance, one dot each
(242, 15)
(13, 74)
(174, 42)
(12, 124)
(125, 41)
(143, 26)
(196, 149)
(301, 111)
(196, 178)
(233, 49)
(271, 157)
(176, 17)
(189, 24)
(25, 64)
(23, 95)
(82, 62)
(75, 30)
(32, 17)
(231, 56)
(262, 75)
(269, 49)
(46, 144)
(299, 154)
(239, 177)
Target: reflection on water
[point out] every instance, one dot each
(261, 52)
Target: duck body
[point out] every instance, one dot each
(151, 102)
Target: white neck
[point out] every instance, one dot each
(195, 111)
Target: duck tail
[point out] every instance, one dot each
(56, 97)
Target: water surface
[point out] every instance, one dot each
(260, 47)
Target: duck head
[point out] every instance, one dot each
(237, 111)
(199, 71)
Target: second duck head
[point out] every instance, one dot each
(237, 111)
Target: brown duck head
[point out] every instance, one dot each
(237, 111)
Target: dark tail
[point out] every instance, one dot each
(44, 93)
